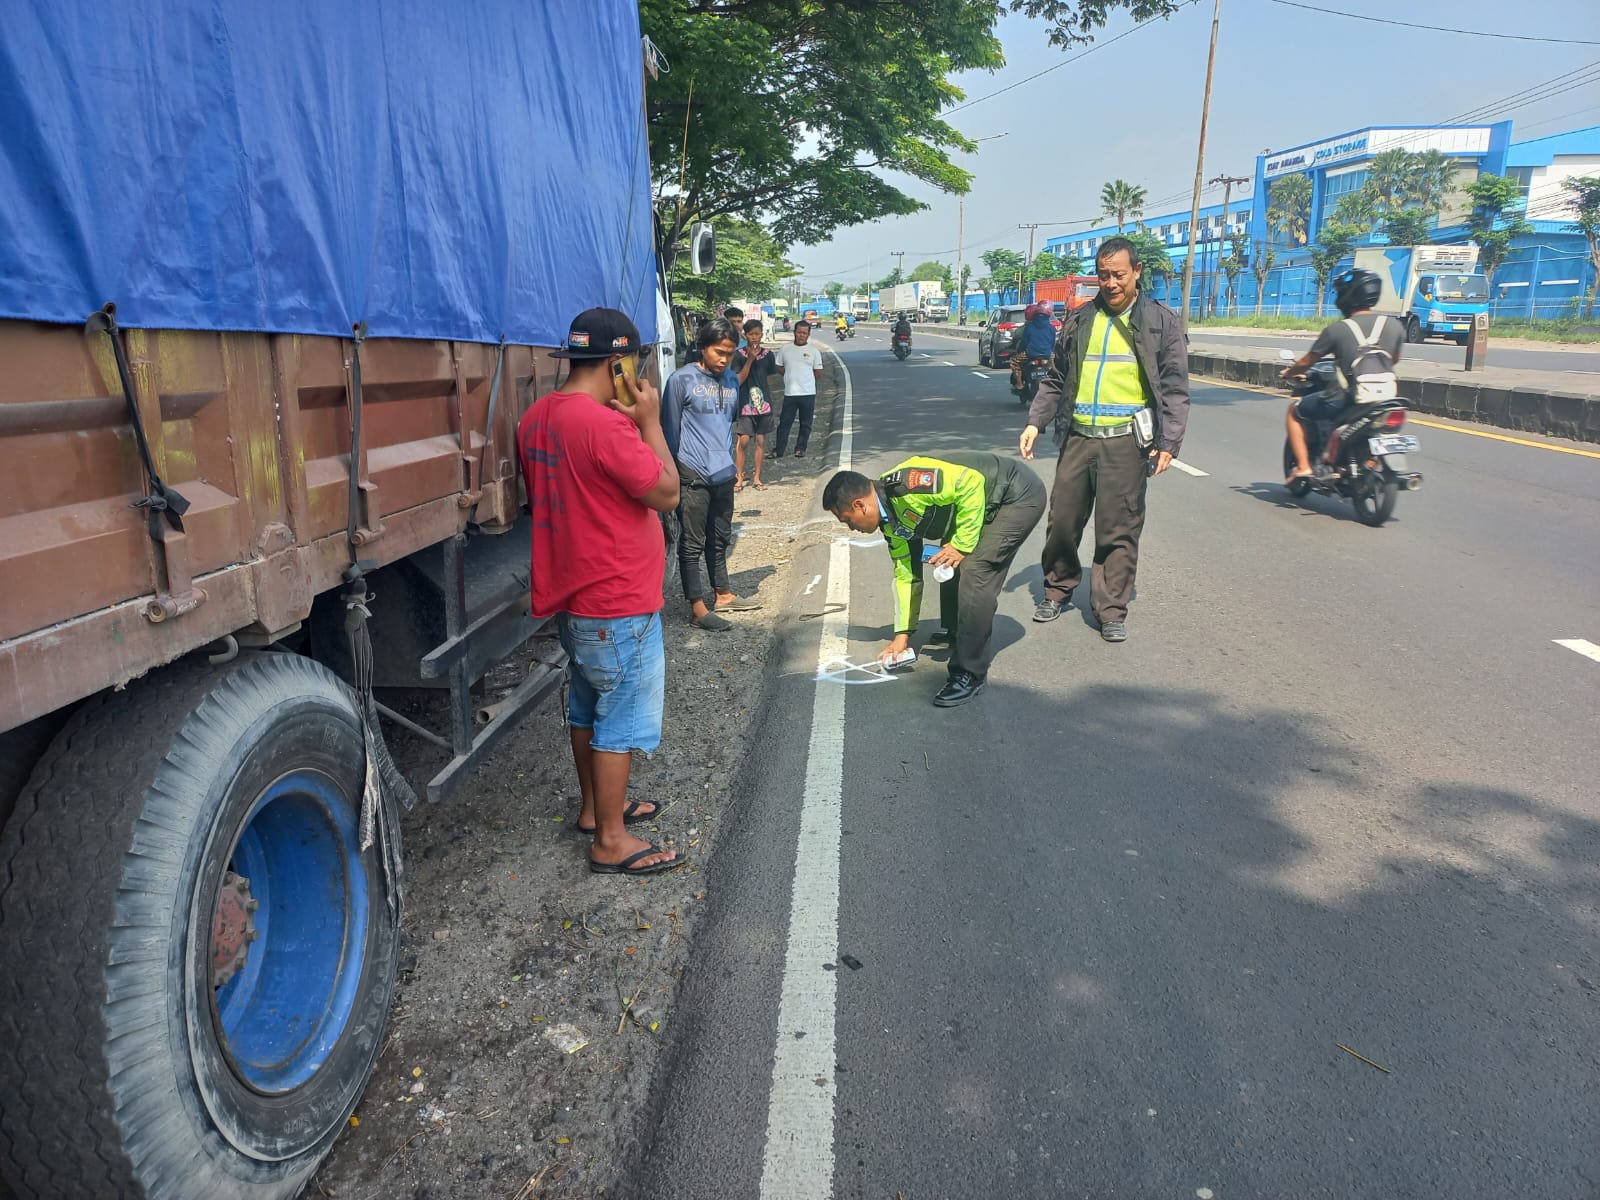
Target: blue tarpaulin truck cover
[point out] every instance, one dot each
(469, 170)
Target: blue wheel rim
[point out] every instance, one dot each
(283, 1013)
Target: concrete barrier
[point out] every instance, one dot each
(1528, 407)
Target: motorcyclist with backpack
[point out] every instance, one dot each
(1034, 339)
(1366, 347)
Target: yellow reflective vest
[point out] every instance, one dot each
(1109, 392)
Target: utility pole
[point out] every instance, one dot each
(900, 263)
(961, 291)
(1200, 163)
(1028, 263)
(1227, 182)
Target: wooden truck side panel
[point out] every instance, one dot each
(254, 431)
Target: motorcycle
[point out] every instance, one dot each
(841, 332)
(902, 346)
(1033, 372)
(1360, 454)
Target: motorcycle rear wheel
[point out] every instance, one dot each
(1374, 501)
(1297, 487)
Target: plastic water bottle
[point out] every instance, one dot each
(944, 573)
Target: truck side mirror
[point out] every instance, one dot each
(702, 248)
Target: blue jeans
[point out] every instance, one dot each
(616, 679)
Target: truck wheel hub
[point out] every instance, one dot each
(233, 928)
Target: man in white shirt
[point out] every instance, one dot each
(801, 366)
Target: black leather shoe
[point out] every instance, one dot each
(1049, 610)
(958, 689)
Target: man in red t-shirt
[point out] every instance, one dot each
(598, 471)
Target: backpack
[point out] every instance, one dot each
(1372, 378)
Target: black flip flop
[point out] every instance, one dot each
(630, 815)
(626, 867)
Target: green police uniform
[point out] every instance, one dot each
(983, 505)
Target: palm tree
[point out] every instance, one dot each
(1432, 173)
(1359, 207)
(1289, 208)
(1390, 175)
(1122, 200)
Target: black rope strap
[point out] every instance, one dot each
(162, 501)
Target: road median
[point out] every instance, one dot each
(1562, 404)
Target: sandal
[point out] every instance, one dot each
(759, 486)
(626, 867)
(630, 815)
(738, 484)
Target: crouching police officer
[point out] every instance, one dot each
(973, 511)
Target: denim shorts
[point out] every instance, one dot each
(616, 679)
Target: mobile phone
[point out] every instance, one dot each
(624, 369)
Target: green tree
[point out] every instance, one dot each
(1152, 253)
(750, 263)
(1432, 177)
(986, 286)
(892, 279)
(1334, 241)
(1585, 191)
(833, 291)
(1359, 207)
(848, 91)
(1391, 176)
(1074, 22)
(1122, 200)
(1005, 266)
(1261, 266)
(1048, 266)
(1289, 208)
(1408, 227)
(1488, 225)
(1233, 267)
(931, 270)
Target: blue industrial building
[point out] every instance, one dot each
(1547, 272)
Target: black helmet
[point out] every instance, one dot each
(1355, 290)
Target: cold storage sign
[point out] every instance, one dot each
(1304, 158)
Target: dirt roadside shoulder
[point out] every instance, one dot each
(535, 1000)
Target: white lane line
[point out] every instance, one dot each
(1587, 649)
(942, 363)
(983, 375)
(1188, 470)
(798, 1160)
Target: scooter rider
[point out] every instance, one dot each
(1362, 330)
(1035, 339)
(902, 325)
(978, 509)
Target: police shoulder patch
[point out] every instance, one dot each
(924, 480)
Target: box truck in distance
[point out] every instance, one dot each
(1435, 290)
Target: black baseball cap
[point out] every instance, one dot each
(600, 333)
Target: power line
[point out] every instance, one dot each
(1517, 95)
(1552, 120)
(1515, 37)
(1063, 63)
(1535, 95)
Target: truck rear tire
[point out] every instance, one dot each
(196, 958)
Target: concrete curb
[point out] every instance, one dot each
(1552, 412)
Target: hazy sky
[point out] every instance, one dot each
(1283, 76)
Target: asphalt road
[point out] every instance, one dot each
(1114, 919)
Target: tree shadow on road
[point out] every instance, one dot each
(1148, 920)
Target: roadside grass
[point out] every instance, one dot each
(1264, 321)
(1547, 329)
